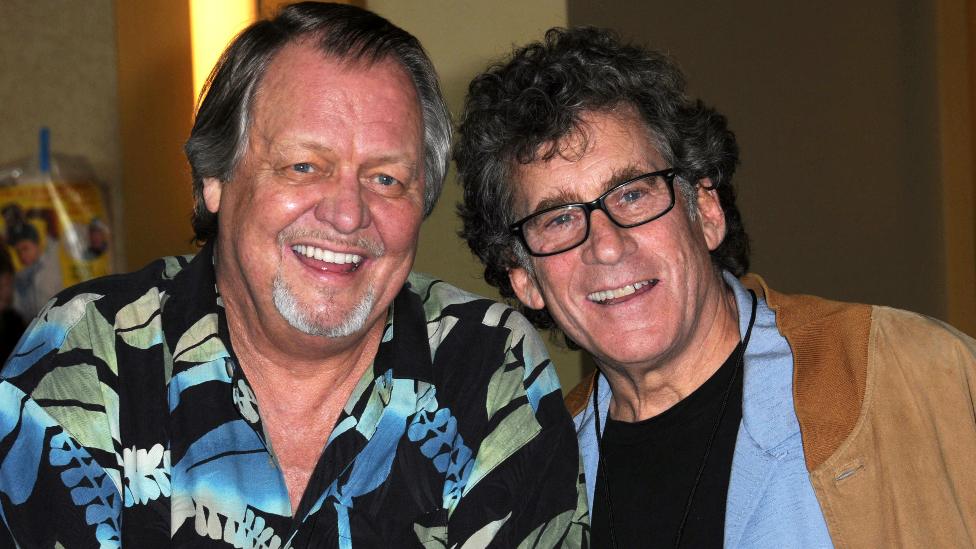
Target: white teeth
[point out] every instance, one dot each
(606, 295)
(327, 256)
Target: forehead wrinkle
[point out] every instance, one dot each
(562, 197)
(283, 147)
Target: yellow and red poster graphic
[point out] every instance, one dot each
(57, 234)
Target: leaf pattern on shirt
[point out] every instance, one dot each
(138, 323)
(251, 532)
(90, 487)
(146, 474)
(446, 448)
(47, 333)
(246, 401)
(117, 376)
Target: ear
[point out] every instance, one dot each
(211, 193)
(710, 214)
(526, 288)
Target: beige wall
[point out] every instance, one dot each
(463, 37)
(835, 105)
(57, 68)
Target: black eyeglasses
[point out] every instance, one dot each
(634, 202)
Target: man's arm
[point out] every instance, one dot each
(56, 483)
(569, 528)
(52, 490)
(526, 488)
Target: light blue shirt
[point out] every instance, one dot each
(770, 502)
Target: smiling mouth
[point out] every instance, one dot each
(349, 261)
(606, 297)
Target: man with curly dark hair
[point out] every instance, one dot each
(600, 195)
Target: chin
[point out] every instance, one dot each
(635, 348)
(323, 323)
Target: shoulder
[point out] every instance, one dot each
(450, 305)
(494, 340)
(438, 296)
(856, 330)
(800, 312)
(157, 273)
(67, 364)
(838, 348)
(819, 330)
(115, 292)
(921, 350)
(86, 319)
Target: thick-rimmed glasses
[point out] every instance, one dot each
(628, 204)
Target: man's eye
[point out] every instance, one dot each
(560, 220)
(633, 195)
(387, 180)
(303, 167)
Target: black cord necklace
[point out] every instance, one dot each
(601, 466)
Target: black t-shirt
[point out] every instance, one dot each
(651, 466)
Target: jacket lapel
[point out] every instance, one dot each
(768, 416)
(752, 467)
(585, 420)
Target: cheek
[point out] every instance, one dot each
(273, 208)
(557, 277)
(292, 202)
(397, 222)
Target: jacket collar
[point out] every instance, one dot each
(767, 390)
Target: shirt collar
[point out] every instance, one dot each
(404, 347)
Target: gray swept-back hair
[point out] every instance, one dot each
(219, 136)
(519, 111)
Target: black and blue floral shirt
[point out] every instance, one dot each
(124, 420)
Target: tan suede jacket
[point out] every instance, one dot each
(886, 401)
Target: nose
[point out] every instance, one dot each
(607, 242)
(343, 204)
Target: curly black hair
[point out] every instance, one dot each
(518, 111)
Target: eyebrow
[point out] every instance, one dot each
(400, 160)
(562, 197)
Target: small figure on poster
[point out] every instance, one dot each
(39, 276)
(98, 239)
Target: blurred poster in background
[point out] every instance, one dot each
(54, 226)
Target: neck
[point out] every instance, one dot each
(299, 365)
(300, 394)
(645, 390)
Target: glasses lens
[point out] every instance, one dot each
(555, 230)
(639, 200)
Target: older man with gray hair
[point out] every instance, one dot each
(293, 384)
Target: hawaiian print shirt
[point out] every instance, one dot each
(125, 420)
